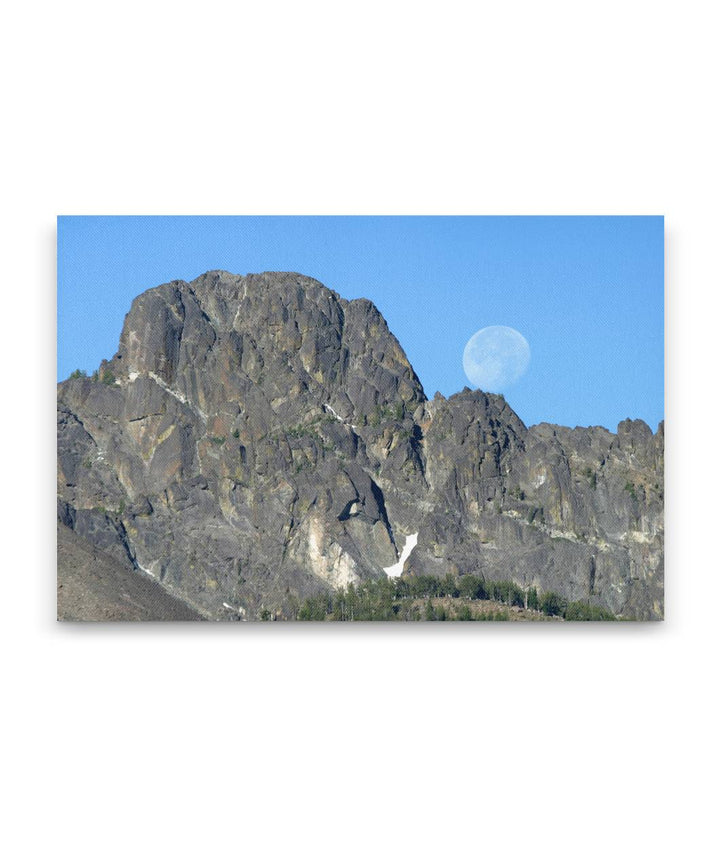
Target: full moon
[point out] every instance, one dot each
(495, 358)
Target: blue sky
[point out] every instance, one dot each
(586, 292)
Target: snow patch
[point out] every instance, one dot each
(334, 412)
(339, 418)
(175, 394)
(397, 569)
(240, 610)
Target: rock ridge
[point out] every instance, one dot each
(257, 439)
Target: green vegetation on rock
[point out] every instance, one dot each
(415, 598)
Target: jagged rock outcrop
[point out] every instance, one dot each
(257, 439)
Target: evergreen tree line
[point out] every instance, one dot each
(395, 599)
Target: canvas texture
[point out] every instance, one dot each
(262, 447)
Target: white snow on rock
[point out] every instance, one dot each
(239, 609)
(180, 397)
(396, 569)
(339, 418)
(334, 412)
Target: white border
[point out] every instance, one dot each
(187, 739)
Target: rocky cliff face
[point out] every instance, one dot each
(257, 439)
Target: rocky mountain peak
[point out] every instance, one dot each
(258, 438)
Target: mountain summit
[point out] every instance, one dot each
(257, 440)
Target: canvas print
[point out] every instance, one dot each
(360, 419)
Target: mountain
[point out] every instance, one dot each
(93, 586)
(258, 440)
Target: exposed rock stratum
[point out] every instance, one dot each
(257, 439)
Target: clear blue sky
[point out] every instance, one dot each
(586, 292)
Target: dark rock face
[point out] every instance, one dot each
(259, 439)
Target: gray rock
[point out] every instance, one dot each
(92, 586)
(265, 439)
